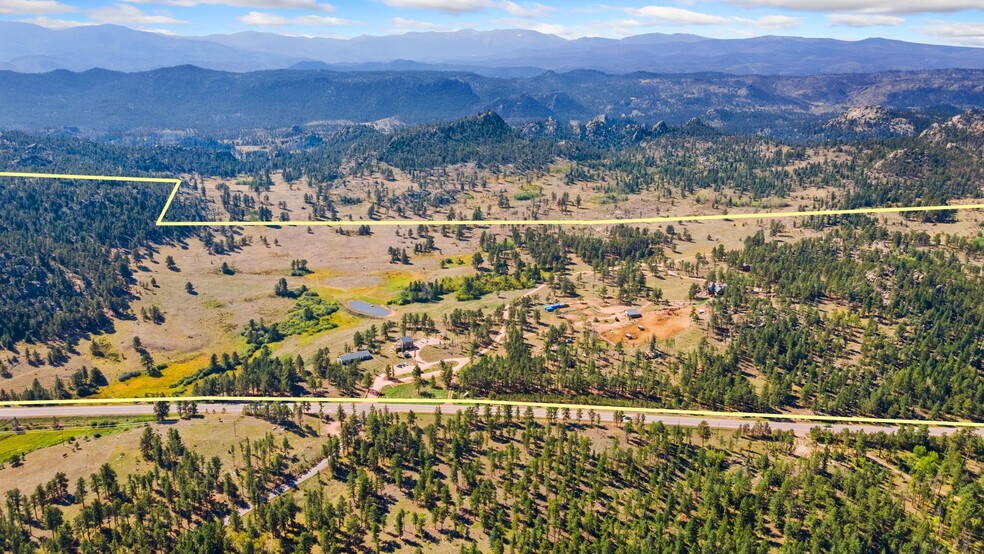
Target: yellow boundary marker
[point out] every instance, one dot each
(856, 420)
(160, 218)
(397, 222)
(479, 402)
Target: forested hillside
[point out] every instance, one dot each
(500, 481)
(68, 248)
(217, 102)
(65, 267)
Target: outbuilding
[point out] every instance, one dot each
(352, 357)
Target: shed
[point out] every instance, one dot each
(633, 313)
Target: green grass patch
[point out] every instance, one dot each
(311, 314)
(408, 390)
(559, 169)
(101, 347)
(526, 195)
(16, 444)
(213, 304)
(609, 198)
(529, 192)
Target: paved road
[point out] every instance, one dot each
(800, 428)
(669, 420)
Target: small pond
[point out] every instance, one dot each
(366, 308)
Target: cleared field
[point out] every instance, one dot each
(662, 325)
(545, 197)
(23, 443)
(409, 390)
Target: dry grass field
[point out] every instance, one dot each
(346, 266)
(210, 435)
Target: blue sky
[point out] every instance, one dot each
(958, 22)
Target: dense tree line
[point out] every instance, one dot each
(504, 480)
(64, 269)
(912, 313)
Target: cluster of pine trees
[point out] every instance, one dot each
(497, 480)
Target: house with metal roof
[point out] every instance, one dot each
(357, 356)
(633, 313)
(404, 343)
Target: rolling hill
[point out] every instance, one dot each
(30, 48)
(192, 98)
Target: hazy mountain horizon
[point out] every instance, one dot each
(29, 48)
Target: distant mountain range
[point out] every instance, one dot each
(504, 53)
(191, 98)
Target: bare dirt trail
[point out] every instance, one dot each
(293, 483)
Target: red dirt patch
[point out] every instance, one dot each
(663, 324)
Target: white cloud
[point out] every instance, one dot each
(649, 16)
(447, 6)
(679, 16)
(864, 20)
(263, 19)
(961, 33)
(125, 14)
(540, 27)
(165, 32)
(867, 6)
(619, 28)
(33, 7)
(595, 8)
(50, 23)
(310, 5)
(527, 10)
(402, 24)
(550, 29)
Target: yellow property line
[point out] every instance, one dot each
(160, 218)
(625, 221)
(395, 222)
(483, 402)
(479, 402)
